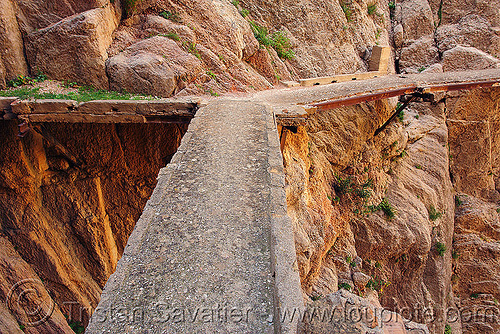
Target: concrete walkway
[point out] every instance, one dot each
(202, 258)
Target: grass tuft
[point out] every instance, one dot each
(433, 213)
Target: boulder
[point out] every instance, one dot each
(421, 53)
(416, 18)
(454, 10)
(398, 35)
(35, 15)
(12, 62)
(468, 58)
(471, 30)
(74, 49)
(155, 66)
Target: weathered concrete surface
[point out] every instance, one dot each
(203, 258)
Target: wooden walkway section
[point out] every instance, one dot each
(292, 106)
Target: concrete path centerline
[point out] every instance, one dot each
(200, 257)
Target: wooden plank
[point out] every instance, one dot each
(338, 78)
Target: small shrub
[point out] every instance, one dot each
(244, 12)
(454, 255)
(171, 35)
(130, 6)
(260, 33)
(76, 326)
(378, 265)
(343, 185)
(212, 75)
(447, 329)
(433, 213)
(172, 16)
(421, 69)
(418, 166)
(347, 11)
(193, 50)
(440, 248)
(458, 201)
(386, 207)
(372, 8)
(345, 286)
(26, 80)
(401, 116)
(392, 5)
(235, 3)
(316, 297)
(498, 210)
(474, 295)
(282, 45)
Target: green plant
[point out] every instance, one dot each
(172, 16)
(401, 116)
(345, 286)
(418, 166)
(211, 92)
(378, 265)
(212, 74)
(421, 69)
(454, 255)
(498, 210)
(82, 95)
(244, 12)
(447, 329)
(474, 295)
(433, 213)
(458, 201)
(417, 116)
(316, 297)
(440, 13)
(171, 35)
(282, 45)
(347, 10)
(386, 207)
(343, 185)
(76, 326)
(372, 8)
(260, 33)
(278, 40)
(440, 248)
(26, 80)
(392, 5)
(130, 6)
(193, 50)
(235, 3)
(22, 327)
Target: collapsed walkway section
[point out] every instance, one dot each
(203, 258)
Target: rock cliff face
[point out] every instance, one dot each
(410, 213)
(69, 224)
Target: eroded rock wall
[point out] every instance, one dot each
(70, 224)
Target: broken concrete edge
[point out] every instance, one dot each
(119, 277)
(72, 111)
(287, 287)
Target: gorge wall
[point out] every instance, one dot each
(68, 225)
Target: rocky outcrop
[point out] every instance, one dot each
(472, 30)
(78, 43)
(36, 15)
(468, 58)
(12, 62)
(476, 250)
(156, 65)
(69, 222)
